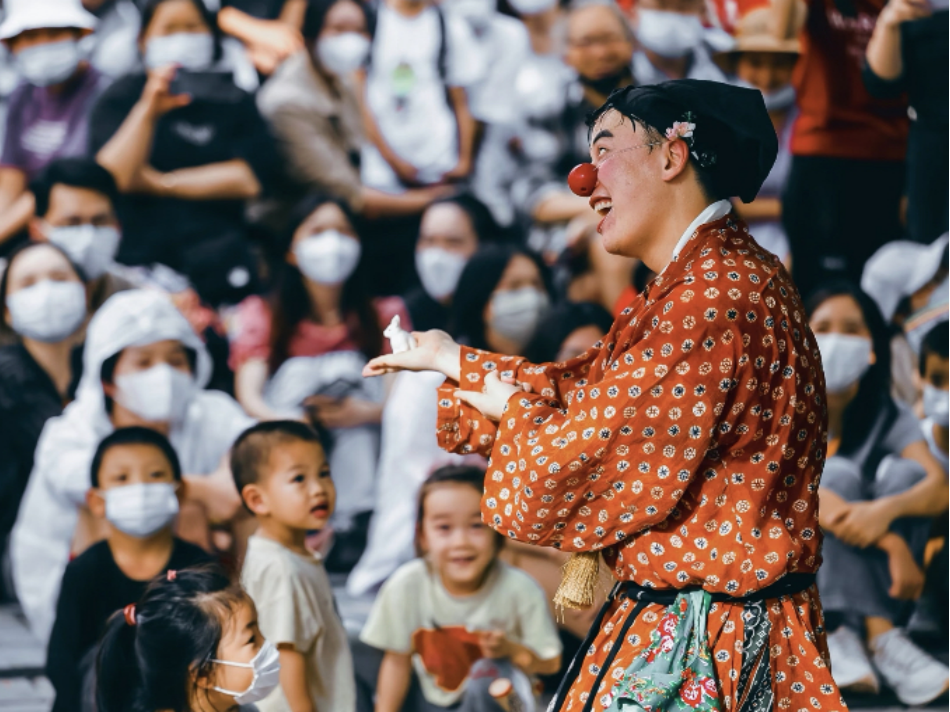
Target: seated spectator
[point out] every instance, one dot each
(880, 491)
(456, 618)
(185, 162)
(143, 365)
(320, 306)
(451, 232)
(315, 115)
(502, 296)
(567, 331)
(906, 38)
(75, 210)
(43, 301)
(47, 116)
(934, 374)
(269, 29)
(420, 130)
(672, 42)
(763, 61)
(135, 481)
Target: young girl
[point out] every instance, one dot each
(456, 618)
(191, 644)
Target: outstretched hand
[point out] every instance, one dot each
(435, 351)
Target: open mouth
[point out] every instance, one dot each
(321, 510)
(603, 206)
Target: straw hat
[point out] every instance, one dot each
(23, 15)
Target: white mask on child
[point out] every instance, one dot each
(140, 510)
(937, 405)
(845, 359)
(160, 394)
(266, 667)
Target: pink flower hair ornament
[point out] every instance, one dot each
(680, 129)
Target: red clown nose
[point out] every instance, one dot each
(582, 179)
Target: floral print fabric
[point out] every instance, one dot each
(686, 447)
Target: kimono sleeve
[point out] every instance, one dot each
(617, 456)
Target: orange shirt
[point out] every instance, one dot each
(686, 447)
(837, 117)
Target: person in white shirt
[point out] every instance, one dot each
(419, 125)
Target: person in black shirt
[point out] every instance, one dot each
(43, 301)
(187, 148)
(136, 486)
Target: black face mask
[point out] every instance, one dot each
(607, 84)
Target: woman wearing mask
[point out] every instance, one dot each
(43, 300)
(880, 490)
(143, 365)
(451, 232)
(762, 61)
(673, 42)
(319, 308)
(188, 148)
(503, 294)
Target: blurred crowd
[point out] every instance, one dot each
(211, 211)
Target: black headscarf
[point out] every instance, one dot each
(732, 138)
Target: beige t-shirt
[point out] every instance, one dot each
(295, 605)
(414, 613)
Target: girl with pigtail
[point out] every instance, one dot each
(191, 644)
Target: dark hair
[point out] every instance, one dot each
(479, 279)
(210, 19)
(560, 323)
(935, 344)
(316, 15)
(5, 277)
(134, 435)
(76, 173)
(484, 225)
(178, 624)
(107, 370)
(290, 302)
(251, 450)
(874, 389)
(469, 475)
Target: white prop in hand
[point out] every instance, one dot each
(399, 339)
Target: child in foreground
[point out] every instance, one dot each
(191, 644)
(280, 468)
(456, 618)
(137, 488)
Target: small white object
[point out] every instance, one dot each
(399, 339)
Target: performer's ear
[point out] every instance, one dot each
(675, 158)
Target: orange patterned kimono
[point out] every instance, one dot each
(687, 448)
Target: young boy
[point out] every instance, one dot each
(934, 366)
(280, 468)
(137, 488)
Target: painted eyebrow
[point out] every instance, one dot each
(605, 133)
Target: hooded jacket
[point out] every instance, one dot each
(40, 543)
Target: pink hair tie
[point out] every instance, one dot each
(129, 613)
(171, 575)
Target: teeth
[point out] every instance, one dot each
(603, 206)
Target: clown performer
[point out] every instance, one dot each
(685, 449)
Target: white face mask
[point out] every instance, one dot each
(516, 314)
(937, 405)
(669, 34)
(266, 667)
(160, 394)
(439, 271)
(845, 359)
(90, 247)
(48, 311)
(50, 63)
(329, 257)
(140, 510)
(189, 50)
(532, 7)
(343, 54)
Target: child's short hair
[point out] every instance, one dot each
(253, 447)
(150, 652)
(934, 343)
(134, 435)
(469, 475)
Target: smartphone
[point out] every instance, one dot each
(214, 87)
